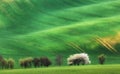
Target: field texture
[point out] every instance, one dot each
(35, 28)
(90, 69)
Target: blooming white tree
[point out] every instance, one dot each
(77, 59)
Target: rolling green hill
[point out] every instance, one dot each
(57, 27)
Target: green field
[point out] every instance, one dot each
(35, 28)
(90, 69)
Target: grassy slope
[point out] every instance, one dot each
(36, 16)
(38, 28)
(91, 69)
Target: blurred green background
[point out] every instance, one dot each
(34, 28)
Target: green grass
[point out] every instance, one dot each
(88, 69)
(47, 27)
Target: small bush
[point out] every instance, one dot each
(36, 62)
(21, 62)
(26, 62)
(101, 59)
(4, 63)
(45, 61)
(11, 63)
(58, 60)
